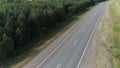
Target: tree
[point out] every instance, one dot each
(19, 40)
(1, 32)
(8, 43)
(2, 52)
(92, 1)
(6, 46)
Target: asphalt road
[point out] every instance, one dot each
(70, 51)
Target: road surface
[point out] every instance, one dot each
(71, 50)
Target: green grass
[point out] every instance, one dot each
(115, 14)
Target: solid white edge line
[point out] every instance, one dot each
(61, 42)
(86, 47)
(78, 66)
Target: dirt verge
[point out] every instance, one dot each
(103, 54)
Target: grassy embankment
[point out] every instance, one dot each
(115, 14)
(103, 50)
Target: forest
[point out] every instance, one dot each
(23, 20)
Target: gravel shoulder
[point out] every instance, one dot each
(104, 57)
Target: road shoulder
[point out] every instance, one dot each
(104, 57)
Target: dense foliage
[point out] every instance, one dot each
(21, 21)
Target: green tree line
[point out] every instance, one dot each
(22, 20)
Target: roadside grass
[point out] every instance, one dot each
(104, 57)
(38, 44)
(115, 14)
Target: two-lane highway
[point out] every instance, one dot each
(70, 52)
